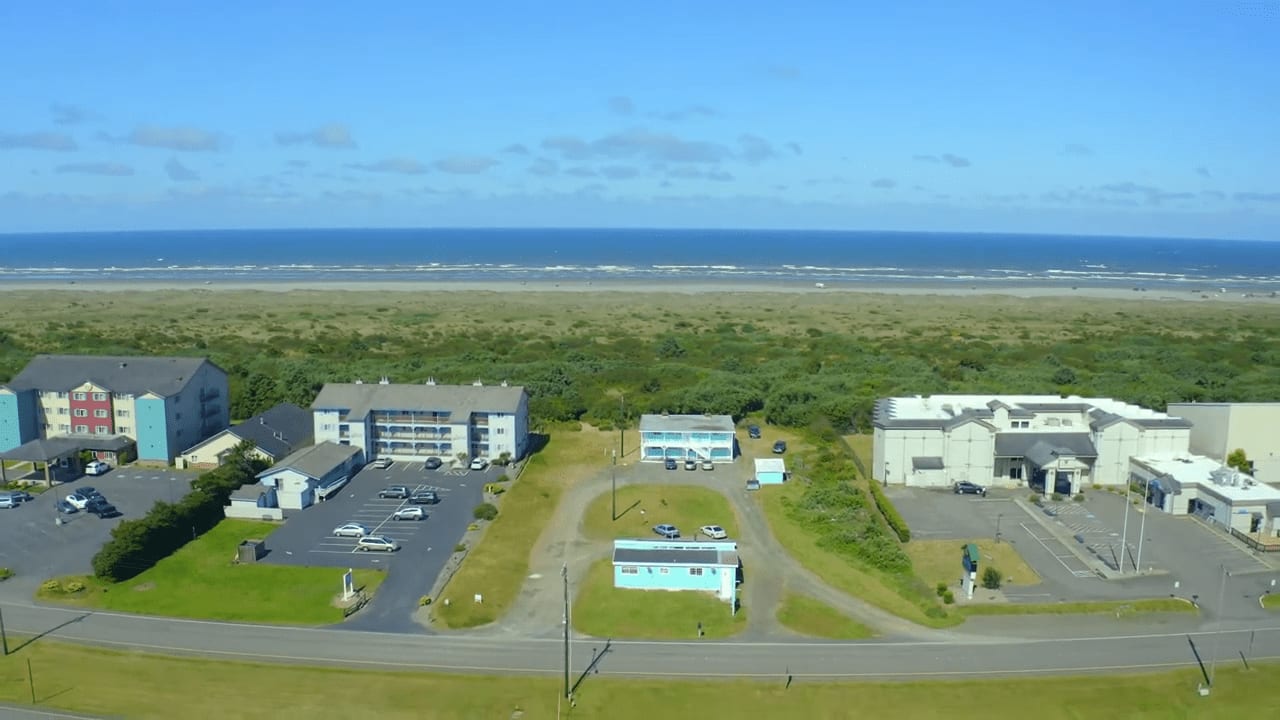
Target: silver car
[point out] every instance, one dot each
(409, 513)
(377, 542)
(351, 530)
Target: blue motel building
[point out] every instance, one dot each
(710, 566)
(687, 437)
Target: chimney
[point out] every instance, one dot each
(385, 380)
(431, 381)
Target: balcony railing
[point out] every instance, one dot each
(415, 418)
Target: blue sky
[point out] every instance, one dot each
(1140, 118)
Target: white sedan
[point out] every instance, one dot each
(479, 464)
(409, 513)
(715, 532)
(351, 530)
(96, 467)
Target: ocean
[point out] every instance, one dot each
(578, 255)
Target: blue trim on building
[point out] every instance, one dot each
(17, 419)
(152, 429)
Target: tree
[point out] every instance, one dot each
(1238, 460)
(1064, 376)
(991, 578)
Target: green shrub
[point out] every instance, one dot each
(948, 598)
(890, 513)
(74, 586)
(936, 612)
(485, 511)
(1037, 498)
(1079, 497)
(424, 601)
(1057, 497)
(991, 578)
(51, 586)
(5, 573)
(941, 589)
(460, 547)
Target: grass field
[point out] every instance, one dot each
(608, 612)
(499, 564)
(1271, 602)
(869, 585)
(1120, 608)
(938, 561)
(814, 618)
(199, 581)
(146, 686)
(688, 507)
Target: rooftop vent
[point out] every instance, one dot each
(477, 383)
(504, 383)
(384, 380)
(278, 435)
(431, 381)
(359, 381)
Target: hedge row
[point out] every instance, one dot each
(137, 545)
(890, 513)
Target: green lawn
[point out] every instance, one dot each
(842, 574)
(936, 561)
(1121, 608)
(814, 618)
(608, 612)
(1271, 602)
(145, 686)
(497, 567)
(688, 507)
(200, 581)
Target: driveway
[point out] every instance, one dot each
(306, 538)
(36, 547)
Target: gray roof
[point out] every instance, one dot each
(46, 449)
(249, 492)
(927, 463)
(315, 461)
(686, 423)
(357, 400)
(163, 376)
(675, 556)
(1040, 448)
(1056, 407)
(278, 431)
(1165, 422)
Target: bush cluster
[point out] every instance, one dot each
(5, 573)
(137, 545)
(840, 515)
(992, 578)
(485, 511)
(890, 513)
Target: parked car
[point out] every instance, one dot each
(708, 465)
(964, 487)
(424, 497)
(433, 463)
(351, 530)
(753, 484)
(779, 447)
(377, 542)
(670, 464)
(753, 432)
(66, 508)
(690, 464)
(21, 495)
(479, 464)
(80, 498)
(8, 502)
(395, 492)
(96, 467)
(89, 491)
(715, 532)
(409, 513)
(383, 463)
(100, 507)
(332, 487)
(667, 531)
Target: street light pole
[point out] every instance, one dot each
(622, 426)
(1217, 638)
(564, 573)
(1142, 526)
(613, 480)
(885, 481)
(1124, 533)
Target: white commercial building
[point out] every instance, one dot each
(1046, 442)
(415, 422)
(1220, 428)
(687, 437)
(1201, 486)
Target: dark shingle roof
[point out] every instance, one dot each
(163, 376)
(357, 400)
(1022, 444)
(278, 431)
(46, 449)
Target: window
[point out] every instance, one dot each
(1021, 424)
(695, 571)
(100, 413)
(662, 571)
(630, 570)
(327, 427)
(101, 430)
(62, 396)
(64, 428)
(1015, 473)
(78, 396)
(499, 431)
(82, 429)
(124, 429)
(119, 395)
(122, 413)
(62, 411)
(81, 412)
(99, 397)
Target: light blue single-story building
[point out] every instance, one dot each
(687, 437)
(296, 477)
(710, 566)
(771, 471)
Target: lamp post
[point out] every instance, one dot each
(1124, 532)
(564, 573)
(1217, 637)
(613, 480)
(1142, 526)
(622, 426)
(886, 474)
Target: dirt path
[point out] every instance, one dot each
(769, 571)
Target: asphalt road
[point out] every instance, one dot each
(952, 655)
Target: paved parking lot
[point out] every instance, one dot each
(35, 547)
(306, 538)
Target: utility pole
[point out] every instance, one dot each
(4, 639)
(1217, 637)
(622, 427)
(564, 573)
(1142, 526)
(1124, 532)
(613, 479)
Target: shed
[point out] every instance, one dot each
(296, 477)
(677, 565)
(771, 471)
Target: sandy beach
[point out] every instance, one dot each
(952, 289)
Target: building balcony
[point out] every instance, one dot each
(414, 418)
(210, 394)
